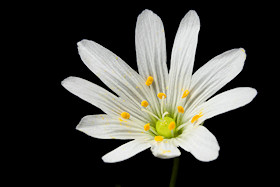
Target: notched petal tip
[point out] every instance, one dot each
(83, 43)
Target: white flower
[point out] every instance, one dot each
(157, 109)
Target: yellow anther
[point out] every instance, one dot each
(180, 109)
(125, 115)
(185, 94)
(171, 126)
(147, 127)
(196, 117)
(158, 138)
(149, 81)
(161, 95)
(144, 103)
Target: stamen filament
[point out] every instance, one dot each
(161, 107)
(164, 115)
(152, 129)
(161, 96)
(150, 113)
(181, 126)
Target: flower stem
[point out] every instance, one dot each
(174, 172)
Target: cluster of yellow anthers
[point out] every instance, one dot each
(172, 124)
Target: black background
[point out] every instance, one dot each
(61, 155)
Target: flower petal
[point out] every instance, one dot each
(125, 151)
(226, 101)
(216, 73)
(115, 73)
(106, 127)
(165, 149)
(200, 142)
(101, 98)
(151, 49)
(182, 57)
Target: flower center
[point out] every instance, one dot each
(165, 127)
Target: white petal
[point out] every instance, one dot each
(226, 101)
(216, 73)
(125, 151)
(165, 149)
(151, 49)
(106, 127)
(201, 143)
(182, 57)
(101, 98)
(115, 73)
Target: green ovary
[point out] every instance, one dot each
(162, 127)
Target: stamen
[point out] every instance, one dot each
(147, 127)
(158, 138)
(125, 115)
(196, 117)
(161, 95)
(185, 94)
(150, 113)
(149, 81)
(180, 109)
(144, 103)
(171, 126)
